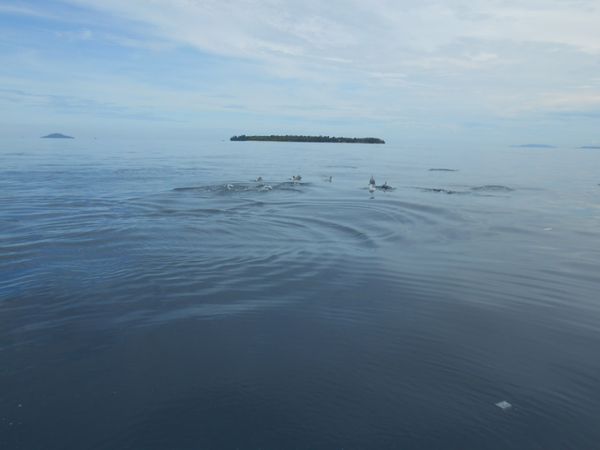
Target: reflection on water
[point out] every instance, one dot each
(154, 295)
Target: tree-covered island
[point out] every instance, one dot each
(295, 138)
(57, 136)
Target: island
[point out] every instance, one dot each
(590, 147)
(57, 136)
(534, 146)
(296, 138)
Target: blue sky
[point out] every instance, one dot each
(504, 71)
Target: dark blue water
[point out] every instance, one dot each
(145, 304)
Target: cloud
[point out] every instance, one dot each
(74, 35)
(21, 10)
(352, 29)
(342, 40)
(75, 105)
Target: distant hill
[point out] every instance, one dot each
(295, 138)
(534, 146)
(590, 147)
(57, 136)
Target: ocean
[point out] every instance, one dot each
(154, 295)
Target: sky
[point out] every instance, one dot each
(505, 71)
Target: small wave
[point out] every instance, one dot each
(442, 191)
(383, 188)
(228, 188)
(443, 170)
(488, 188)
(492, 188)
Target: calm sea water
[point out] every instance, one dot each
(145, 304)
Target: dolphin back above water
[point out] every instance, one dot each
(373, 186)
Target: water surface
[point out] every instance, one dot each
(154, 296)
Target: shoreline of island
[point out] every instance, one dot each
(311, 139)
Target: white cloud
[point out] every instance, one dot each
(340, 23)
(20, 10)
(82, 35)
(378, 33)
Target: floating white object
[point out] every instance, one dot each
(503, 405)
(547, 229)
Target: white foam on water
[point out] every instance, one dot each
(504, 405)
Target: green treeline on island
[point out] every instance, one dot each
(294, 138)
